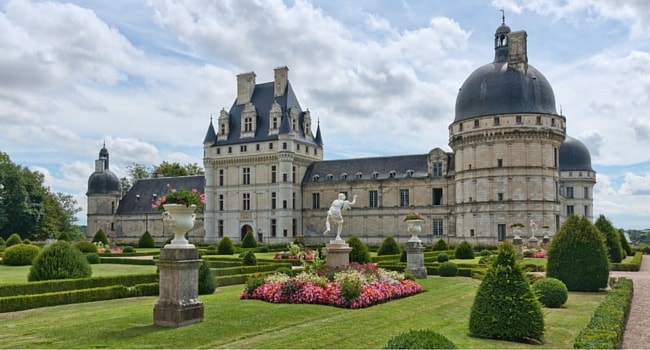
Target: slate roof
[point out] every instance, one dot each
(574, 155)
(401, 165)
(140, 197)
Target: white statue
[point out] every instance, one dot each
(533, 227)
(335, 214)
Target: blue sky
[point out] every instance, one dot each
(380, 76)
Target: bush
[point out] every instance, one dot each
(128, 249)
(485, 253)
(420, 339)
(64, 236)
(2, 241)
(440, 245)
(464, 250)
(249, 240)
(403, 257)
(505, 306)
(100, 236)
(264, 249)
(20, 254)
(93, 258)
(211, 249)
(442, 257)
(146, 241)
(551, 292)
(86, 247)
(448, 269)
(225, 247)
(13, 240)
(285, 270)
(249, 259)
(59, 261)
(207, 285)
(624, 243)
(360, 252)
(27, 241)
(389, 247)
(578, 256)
(614, 249)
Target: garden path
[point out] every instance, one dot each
(636, 335)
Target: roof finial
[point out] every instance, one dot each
(503, 16)
(560, 109)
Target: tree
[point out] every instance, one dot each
(614, 249)
(624, 243)
(249, 240)
(389, 247)
(146, 240)
(360, 253)
(171, 169)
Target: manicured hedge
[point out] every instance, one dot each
(634, 265)
(127, 261)
(239, 270)
(605, 330)
(50, 286)
(229, 280)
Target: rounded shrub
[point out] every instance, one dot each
(505, 306)
(285, 270)
(128, 249)
(389, 247)
(146, 241)
(225, 247)
(59, 261)
(613, 243)
(420, 339)
(440, 245)
(485, 252)
(20, 254)
(264, 249)
(27, 241)
(249, 259)
(13, 240)
(86, 247)
(100, 236)
(442, 257)
(249, 240)
(211, 249)
(577, 256)
(207, 284)
(93, 258)
(360, 252)
(64, 236)
(464, 250)
(551, 292)
(448, 269)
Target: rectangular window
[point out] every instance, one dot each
(569, 192)
(246, 201)
(285, 233)
(221, 202)
(257, 147)
(372, 199)
(585, 192)
(229, 149)
(436, 169)
(437, 196)
(270, 145)
(243, 148)
(285, 177)
(284, 204)
(274, 228)
(220, 177)
(460, 127)
(437, 227)
(218, 150)
(586, 210)
(294, 227)
(293, 200)
(569, 210)
(315, 200)
(501, 232)
(285, 145)
(298, 147)
(497, 121)
(500, 196)
(518, 120)
(273, 174)
(404, 198)
(248, 124)
(273, 200)
(293, 175)
(471, 232)
(500, 163)
(220, 229)
(246, 176)
(539, 120)
(476, 123)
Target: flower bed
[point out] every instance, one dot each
(356, 286)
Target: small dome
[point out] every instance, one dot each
(574, 156)
(104, 183)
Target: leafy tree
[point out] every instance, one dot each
(578, 256)
(64, 236)
(614, 249)
(505, 306)
(360, 252)
(249, 240)
(194, 169)
(14, 239)
(389, 247)
(146, 241)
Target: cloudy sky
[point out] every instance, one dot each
(380, 76)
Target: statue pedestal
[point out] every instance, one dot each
(533, 242)
(178, 303)
(338, 253)
(517, 242)
(415, 258)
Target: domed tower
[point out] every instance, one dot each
(506, 137)
(577, 179)
(104, 193)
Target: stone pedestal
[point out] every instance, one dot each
(415, 258)
(533, 242)
(178, 303)
(517, 242)
(338, 253)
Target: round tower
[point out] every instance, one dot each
(577, 179)
(506, 137)
(104, 193)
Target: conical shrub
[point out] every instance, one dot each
(249, 240)
(225, 247)
(146, 240)
(100, 236)
(613, 243)
(505, 306)
(389, 247)
(360, 253)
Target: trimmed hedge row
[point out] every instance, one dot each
(52, 286)
(126, 261)
(24, 302)
(634, 265)
(222, 281)
(243, 270)
(605, 330)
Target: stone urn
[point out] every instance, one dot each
(179, 218)
(414, 227)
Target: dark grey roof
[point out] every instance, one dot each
(104, 182)
(262, 99)
(210, 135)
(140, 197)
(496, 88)
(574, 156)
(383, 166)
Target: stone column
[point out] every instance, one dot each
(338, 253)
(517, 242)
(178, 303)
(415, 258)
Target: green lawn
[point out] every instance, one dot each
(233, 323)
(18, 274)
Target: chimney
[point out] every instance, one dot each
(517, 51)
(245, 87)
(281, 79)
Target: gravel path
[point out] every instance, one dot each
(636, 334)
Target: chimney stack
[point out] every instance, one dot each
(245, 87)
(517, 51)
(281, 79)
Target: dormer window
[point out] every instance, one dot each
(375, 175)
(343, 177)
(392, 174)
(409, 173)
(329, 177)
(248, 120)
(315, 178)
(358, 176)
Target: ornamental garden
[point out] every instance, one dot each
(95, 294)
